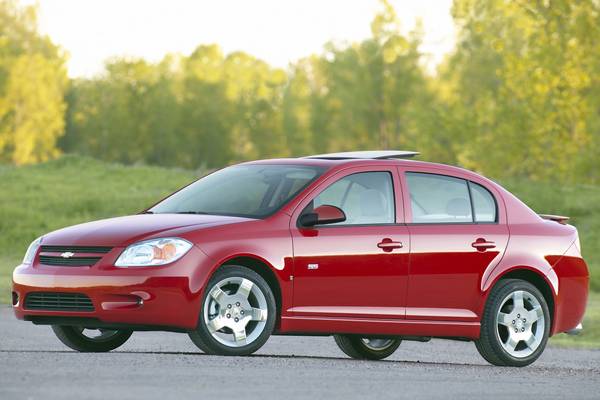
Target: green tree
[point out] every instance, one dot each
(32, 84)
(523, 79)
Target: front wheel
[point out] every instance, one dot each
(515, 325)
(366, 348)
(90, 340)
(238, 313)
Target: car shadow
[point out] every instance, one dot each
(265, 356)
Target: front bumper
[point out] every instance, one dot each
(166, 296)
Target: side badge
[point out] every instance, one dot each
(313, 266)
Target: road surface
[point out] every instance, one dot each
(156, 365)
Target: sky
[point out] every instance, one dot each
(277, 31)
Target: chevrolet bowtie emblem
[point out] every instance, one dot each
(67, 254)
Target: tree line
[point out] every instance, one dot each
(518, 97)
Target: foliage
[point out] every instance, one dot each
(32, 84)
(213, 109)
(523, 84)
(518, 97)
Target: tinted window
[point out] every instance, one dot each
(365, 198)
(242, 190)
(483, 203)
(438, 198)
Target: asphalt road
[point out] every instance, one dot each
(156, 365)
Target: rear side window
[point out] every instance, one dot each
(483, 203)
(436, 199)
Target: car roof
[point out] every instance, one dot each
(331, 162)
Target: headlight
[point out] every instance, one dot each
(153, 252)
(31, 251)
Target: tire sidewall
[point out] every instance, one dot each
(211, 345)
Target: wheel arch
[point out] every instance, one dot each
(536, 278)
(262, 268)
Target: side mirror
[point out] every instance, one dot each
(322, 215)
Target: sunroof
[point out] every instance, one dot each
(367, 155)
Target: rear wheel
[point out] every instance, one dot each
(366, 348)
(238, 313)
(515, 324)
(90, 340)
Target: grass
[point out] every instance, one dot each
(40, 198)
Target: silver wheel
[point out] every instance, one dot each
(235, 312)
(520, 324)
(378, 344)
(98, 335)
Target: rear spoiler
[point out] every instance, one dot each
(556, 218)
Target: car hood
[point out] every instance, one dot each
(122, 231)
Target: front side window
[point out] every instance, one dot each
(438, 198)
(365, 198)
(253, 191)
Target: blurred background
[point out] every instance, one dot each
(106, 106)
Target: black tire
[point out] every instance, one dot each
(489, 343)
(354, 347)
(202, 336)
(72, 337)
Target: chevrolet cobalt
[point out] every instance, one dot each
(370, 247)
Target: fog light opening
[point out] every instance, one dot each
(15, 299)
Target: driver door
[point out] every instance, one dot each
(359, 267)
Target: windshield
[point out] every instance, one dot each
(253, 191)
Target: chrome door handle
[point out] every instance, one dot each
(482, 245)
(388, 244)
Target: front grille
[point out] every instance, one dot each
(69, 262)
(52, 301)
(73, 260)
(76, 249)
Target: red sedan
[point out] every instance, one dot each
(370, 247)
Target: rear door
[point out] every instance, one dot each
(458, 229)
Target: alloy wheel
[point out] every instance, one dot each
(235, 312)
(520, 323)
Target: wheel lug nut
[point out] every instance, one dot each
(516, 330)
(228, 305)
(242, 312)
(524, 320)
(518, 315)
(513, 321)
(236, 320)
(228, 315)
(522, 329)
(237, 304)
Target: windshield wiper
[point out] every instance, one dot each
(192, 212)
